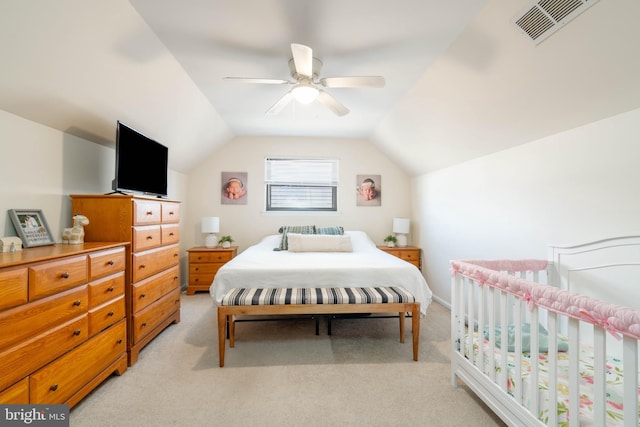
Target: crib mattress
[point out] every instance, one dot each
(614, 382)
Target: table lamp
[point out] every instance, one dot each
(210, 226)
(401, 228)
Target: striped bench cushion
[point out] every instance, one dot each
(283, 296)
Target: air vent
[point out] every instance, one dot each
(544, 17)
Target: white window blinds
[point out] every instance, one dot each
(301, 184)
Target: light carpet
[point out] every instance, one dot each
(281, 374)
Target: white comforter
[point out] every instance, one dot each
(259, 266)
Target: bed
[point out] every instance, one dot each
(260, 266)
(540, 341)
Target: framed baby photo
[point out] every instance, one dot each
(32, 227)
(369, 190)
(234, 188)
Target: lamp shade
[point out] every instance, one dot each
(210, 224)
(401, 225)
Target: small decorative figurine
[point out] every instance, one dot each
(75, 234)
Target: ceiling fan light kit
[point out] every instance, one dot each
(305, 93)
(305, 69)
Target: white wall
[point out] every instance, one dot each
(42, 166)
(572, 187)
(248, 223)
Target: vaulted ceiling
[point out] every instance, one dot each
(461, 80)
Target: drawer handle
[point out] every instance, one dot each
(110, 314)
(177, 301)
(197, 280)
(53, 387)
(144, 325)
(110, 289)
(65, 275)
(143, 266)
(149, 237)
(219, 258)
(76, 332)
(149, 213)
(143, 295)
(119, 341)
(199, 258)
(171, 213)
(175, 277)
(110, 262)
(197, 269)
(176, 254)
(171, 234)
(77, 303)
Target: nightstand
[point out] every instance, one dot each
(408, 253)
(203, 265)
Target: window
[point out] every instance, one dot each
(301, 184)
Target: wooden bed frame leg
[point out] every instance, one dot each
(222, 322)
(401, 317)
(415, 329)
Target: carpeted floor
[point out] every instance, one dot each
(281, 374)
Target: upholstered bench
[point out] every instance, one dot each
(288, 301)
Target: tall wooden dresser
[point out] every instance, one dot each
(62, 321)
(153, 286)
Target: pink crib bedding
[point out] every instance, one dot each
(614, 383)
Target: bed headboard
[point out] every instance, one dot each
(607, 269)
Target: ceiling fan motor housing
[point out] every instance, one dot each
(316, 67)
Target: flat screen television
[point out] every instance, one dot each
(141, 163)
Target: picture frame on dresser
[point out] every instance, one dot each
(32, 227)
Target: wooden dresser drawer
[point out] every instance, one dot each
(22, 359)
(208, 257)
(31, 319)
(104, 263)
(145, 321)
(170, 233)
(107, 314)
(51, 277)
(105, 289)
(410, 255)
(146, 212)
(58, 381)
(17, 393)
(14, 287)
(170, 212)
(148, 263)
(148, 290)
(146, 237)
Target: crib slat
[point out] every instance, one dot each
(504, 341)
(599, 362)
(481, 316)
(492, 334)
(552, 325)
(534, 363)
(471, 320)
(518, 388)
(574, 373)
(630, 361)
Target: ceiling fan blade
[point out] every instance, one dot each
(331, 103)
(280, 104)
(260, 81)
(303, 59)
(360, 81)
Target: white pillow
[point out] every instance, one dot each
(319, 243)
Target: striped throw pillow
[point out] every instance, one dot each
(300, 229)
(334, 231)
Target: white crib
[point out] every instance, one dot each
(582, 358)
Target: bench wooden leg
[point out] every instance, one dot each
(415, 329)
(232, 330)
(401, 317)
(222, 321)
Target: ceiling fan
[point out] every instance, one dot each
(308, 87)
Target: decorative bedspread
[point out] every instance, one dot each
(259, 266)
(614, 383)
